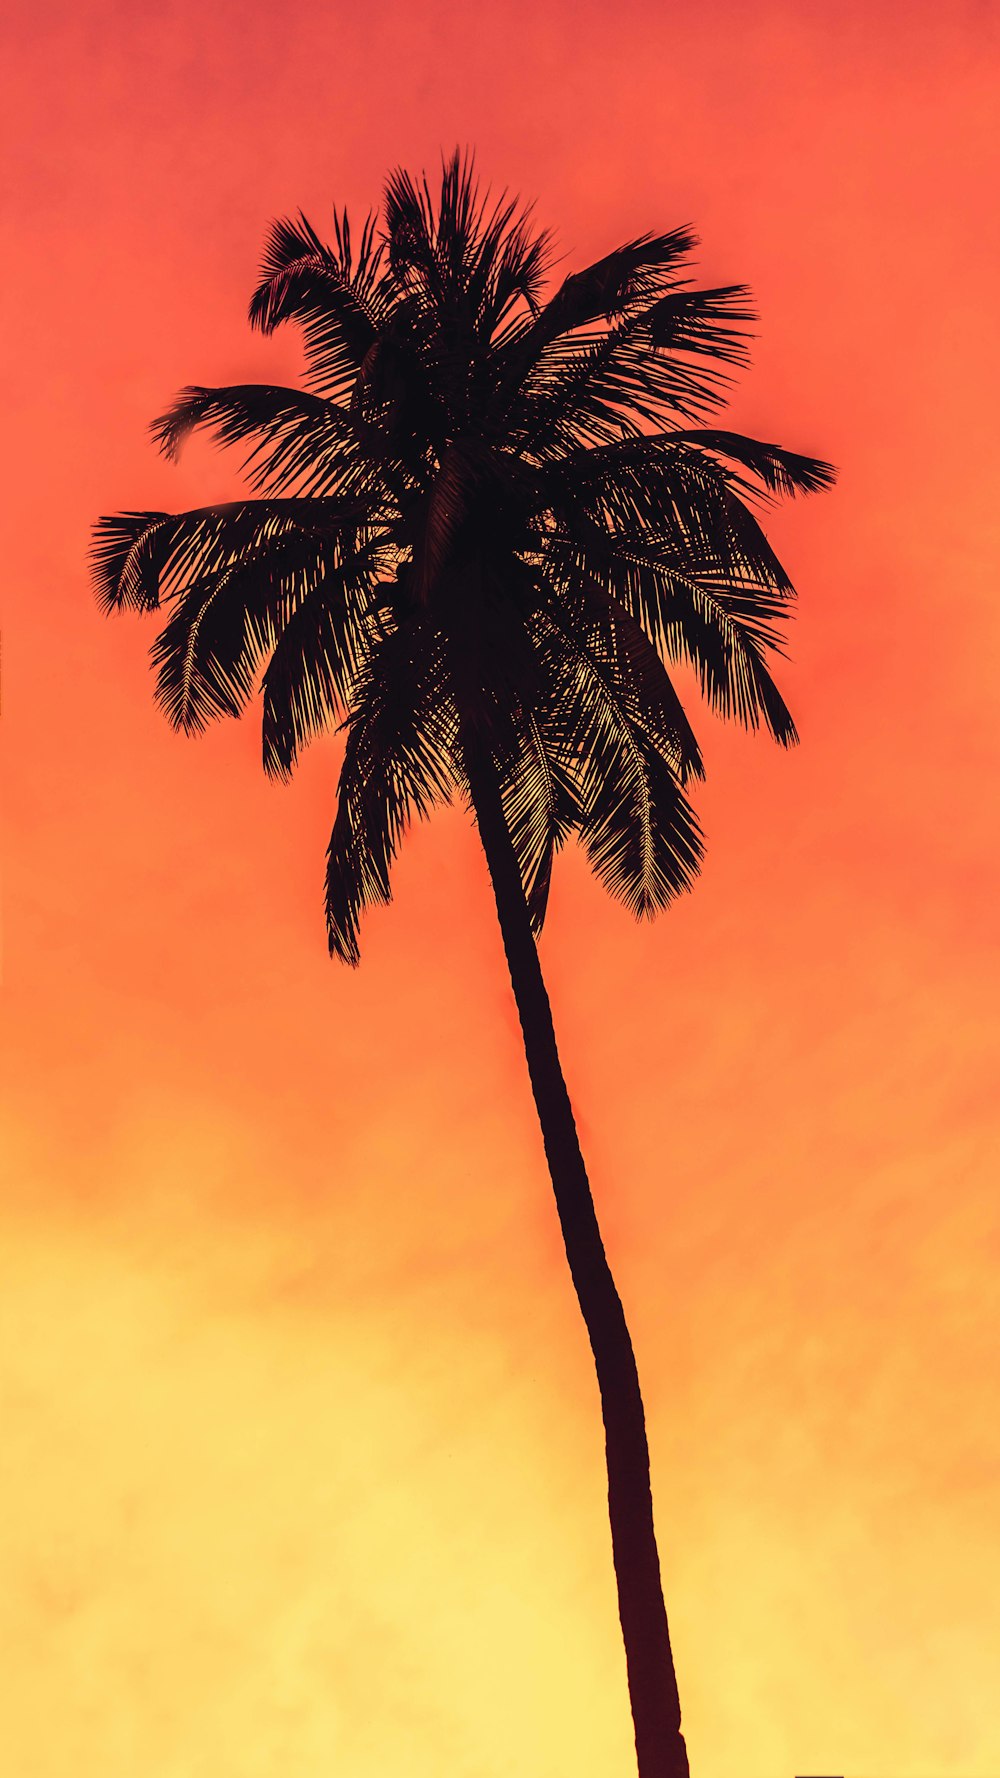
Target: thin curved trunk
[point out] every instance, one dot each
(652, 1683)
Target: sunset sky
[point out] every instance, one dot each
(302, 1470)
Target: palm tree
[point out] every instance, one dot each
(474, 540)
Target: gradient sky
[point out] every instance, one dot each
(302, 1467)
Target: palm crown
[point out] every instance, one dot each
(489, 520)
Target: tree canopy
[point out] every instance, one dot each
(496, 513)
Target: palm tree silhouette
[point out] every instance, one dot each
(473, 540)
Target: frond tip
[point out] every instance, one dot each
(121, 560)
(780, 471)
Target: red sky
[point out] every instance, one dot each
(303, 1468)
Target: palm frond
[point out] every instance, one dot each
(398, 762)
(139, 558)
(653, 366)
(304, 444)
(630, 275)
(123, 544)
(640, 832)
(308, 684)
(514, 265)
(410, 233)
(650, 696)
(336, 300)
(539, 799)
(208, 652)
(633, 818)
(671, 491)
(780, 471)
(704, 323)
(695, 613)
(238, 414)
(613, 647)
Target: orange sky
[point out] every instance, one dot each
(302, 1466)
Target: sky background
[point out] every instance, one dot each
(302, 1469)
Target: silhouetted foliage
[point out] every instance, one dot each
(487, 508)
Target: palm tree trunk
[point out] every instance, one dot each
(652, 1683)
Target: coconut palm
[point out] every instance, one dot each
(473, 542)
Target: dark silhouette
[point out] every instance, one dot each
(474, 538)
